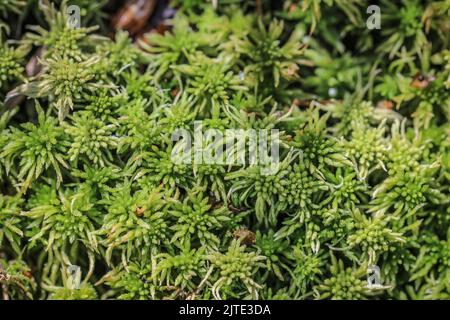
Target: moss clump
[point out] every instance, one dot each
(100, 198)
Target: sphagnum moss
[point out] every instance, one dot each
(88, 179)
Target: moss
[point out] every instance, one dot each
(93, 204)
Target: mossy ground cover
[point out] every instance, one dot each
(93, 205)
